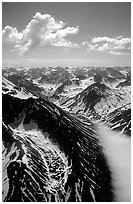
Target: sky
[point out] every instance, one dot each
(66, 33)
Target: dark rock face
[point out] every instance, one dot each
(60, 89)
(50, 155)
(97, 100)
(20, 82)
(120, 119)
(89, 96)
(93, 95)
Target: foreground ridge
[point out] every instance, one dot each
(52, 156)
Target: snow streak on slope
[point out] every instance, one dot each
(97, 100)
(117, 149)
(120, 119)
(50, 155)
(21, 92)
(36, 156)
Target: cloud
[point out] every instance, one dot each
(117, 150)
(11, 35)
(42, 30)
(116, 45)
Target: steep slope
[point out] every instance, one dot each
(21, 82)
(49, 155)
(97, 100)
(120, 119)
(16, 91)
(66, 89)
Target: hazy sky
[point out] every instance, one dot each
(66, 33)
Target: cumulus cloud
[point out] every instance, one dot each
(11, 35)
(116, 45)
(41, 30)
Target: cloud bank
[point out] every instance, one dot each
(116, 45)
(117, 150)
(42, 30)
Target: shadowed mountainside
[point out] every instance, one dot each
(49, 155)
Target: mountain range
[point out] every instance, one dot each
(53, 146)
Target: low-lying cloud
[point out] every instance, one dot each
(41, 30)
(116, 45)
(117, 150)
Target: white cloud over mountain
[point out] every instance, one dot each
(42, 30)
(116, 45)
